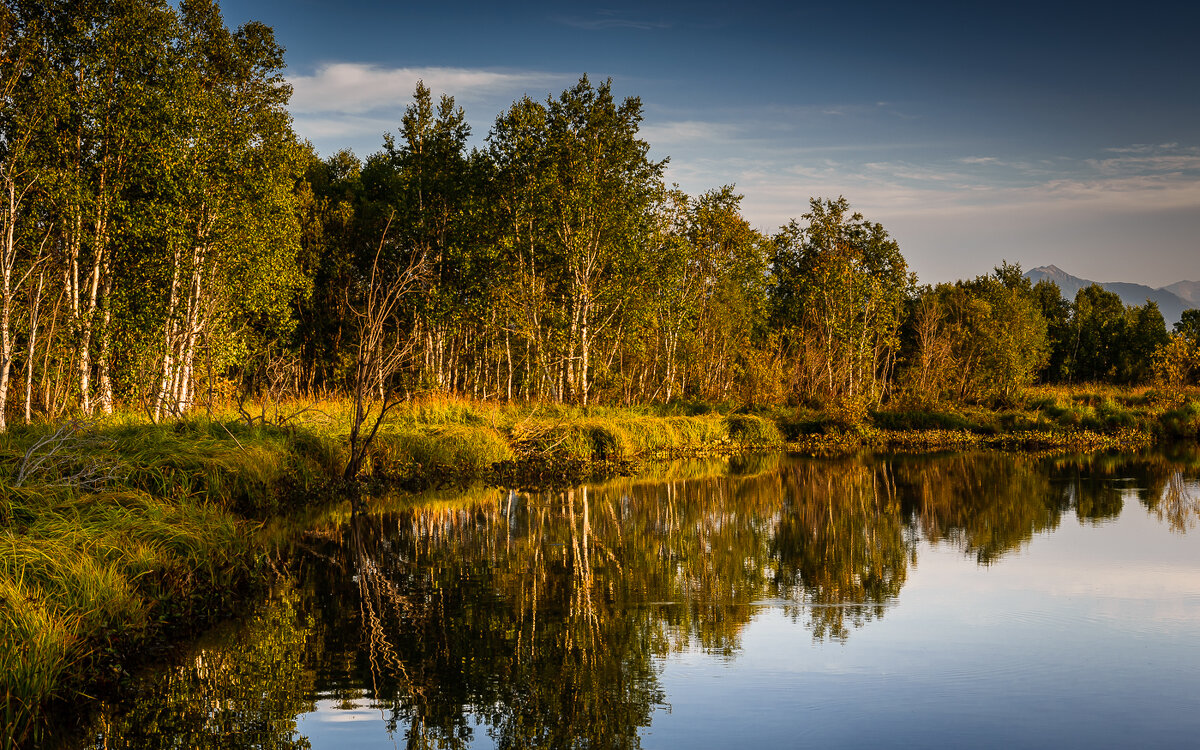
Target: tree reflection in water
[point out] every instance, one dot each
(543, 619)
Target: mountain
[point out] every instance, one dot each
(1188, 291)
(1172, 300)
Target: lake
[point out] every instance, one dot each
(977, 599)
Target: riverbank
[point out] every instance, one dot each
(120, 535)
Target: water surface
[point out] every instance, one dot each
(980, 600)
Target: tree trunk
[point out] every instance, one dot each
(29, 357)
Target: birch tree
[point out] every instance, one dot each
(230, 225)
(22, 110)
(600, 186)
(838, 287)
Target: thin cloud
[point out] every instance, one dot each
(357, 88)
(344, 126)
(611, 20)
(664, 135)
(350, 104)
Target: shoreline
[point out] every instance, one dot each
(132, 536)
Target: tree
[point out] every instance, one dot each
(228, 203)
(1098, 322)
(587, 188)
(601, 185)
(432, 193)
(1176, 363)
(382, 344)
(1145, 333)
(975, 339)
(1189, 325)
(703, 303)
(23, 84)
(1056, 310)
(837, 288)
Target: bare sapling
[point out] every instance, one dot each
(63, 458)
(382, 347)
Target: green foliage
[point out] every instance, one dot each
(975, 340)
(208, 255)
(1184, 420)
(1189, 326)
(1056, 310)
(1098, 322)
(837, 289)
(1145, 333)
(1176, 363)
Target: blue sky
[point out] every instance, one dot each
(1039, 133)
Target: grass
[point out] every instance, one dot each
(87, 578)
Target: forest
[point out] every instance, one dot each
(167, 242)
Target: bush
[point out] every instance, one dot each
(749, 429)
(1183, 422)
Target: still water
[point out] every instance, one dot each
(980, 600)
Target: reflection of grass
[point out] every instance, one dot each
(252, 679)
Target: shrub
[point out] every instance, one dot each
(750, 429)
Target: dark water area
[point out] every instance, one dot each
(981, 600)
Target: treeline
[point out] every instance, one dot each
(166, 241)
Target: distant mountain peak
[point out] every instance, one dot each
(1055, 274)
(1171, 300)
(1050, 269)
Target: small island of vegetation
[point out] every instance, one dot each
(206, 329)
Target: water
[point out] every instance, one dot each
(973, 600)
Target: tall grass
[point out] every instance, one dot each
(90, 569)
(85, 577)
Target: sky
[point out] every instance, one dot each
(1037, 133)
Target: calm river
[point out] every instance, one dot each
(956, 600)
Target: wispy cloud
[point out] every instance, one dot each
(1165, 158)
(665, 135)
(348, 104)
(610, 19)
(357, 88)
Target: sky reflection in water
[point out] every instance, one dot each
(977, 600)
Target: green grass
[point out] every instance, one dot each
(614, 436)
(751, 429)
(456, 448)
